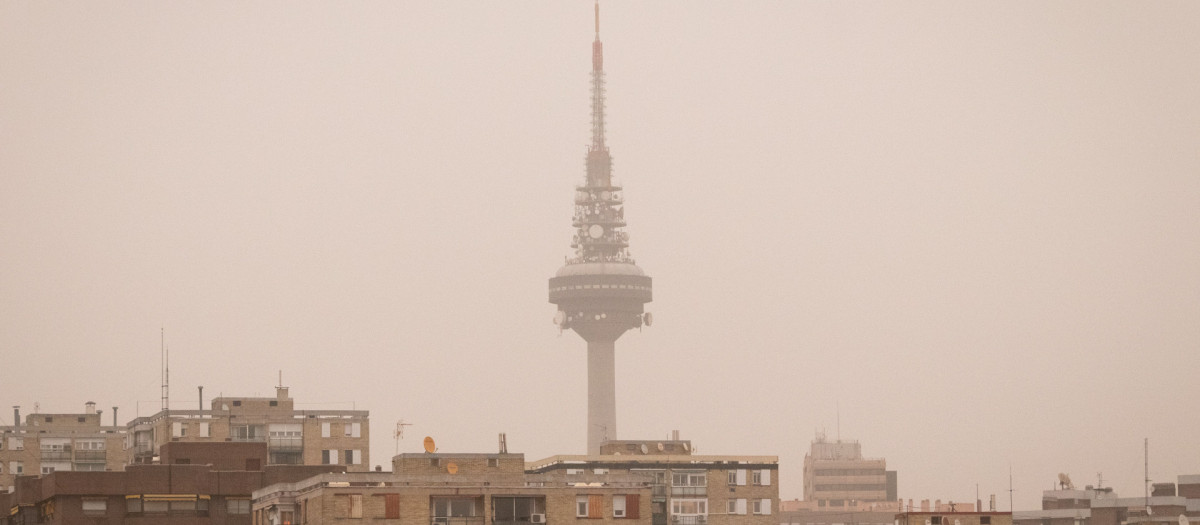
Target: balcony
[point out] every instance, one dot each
(143, 448)
(248, 439)
(689, 520)
(90, 456)
(689, 491)
(458, 520)
(285, 444)
(56, 455)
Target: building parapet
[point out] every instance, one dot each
(597, 461)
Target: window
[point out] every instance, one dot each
(352, 429)
(353, 457)
(16, 467)
(16, 443)
(329, 457)
(688, 479)
(155, 507)
(519, 509)
(736, 506)
(756, 477)
(453, 507)
(324, 430)
(47, 470)
(95, 506)
(574, 471)
(435, 462)
(689, 507)
(205, 431)
(354, 510)
(273, 403)
(133, 505)
(178, 429)
(237, 506)
(732, 477)
(936, 520)
(49, 419)
(237, 403)
(80, 419)
(493, 462)
(625, 506)
(762, 506)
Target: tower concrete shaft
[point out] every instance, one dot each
(600, 292)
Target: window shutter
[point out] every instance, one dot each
(392, 503)
(741, 476)
(741, 506)
(631, 507)
(595, 506)
(766, 477)
(766, 506)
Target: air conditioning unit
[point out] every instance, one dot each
(618, 513)
(537, 518)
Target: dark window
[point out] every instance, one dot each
(349, 456)
(274, 403)
(985, 520)
(237, 403)
(493, 462)
(325, 457)
(936, 520)
(81, 419)
(49, 419)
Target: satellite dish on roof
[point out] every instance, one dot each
(648, 318)
(660, 447)
(1183, 520)
(429, 445)
(452, 467)
(686, 447)
(644, 449)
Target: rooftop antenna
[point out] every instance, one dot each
(399, 433)
(166, 369)
(281, 378)
(1147, 483)
(839, 421)
(1010, 489)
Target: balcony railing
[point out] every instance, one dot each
(61, 455)
(143, 448)
(461, 520)
(689, 520)
(286, 443)
(248, 439)
(90, 455)
(689, 491)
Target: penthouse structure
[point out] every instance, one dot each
(292, 437)
(59, 442)
(1167, 504)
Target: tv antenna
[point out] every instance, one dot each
(399, 433)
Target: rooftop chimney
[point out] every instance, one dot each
(89, 407)
(16, 415)
(114, 416)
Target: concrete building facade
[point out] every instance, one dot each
(293, 437)
(1167, 504)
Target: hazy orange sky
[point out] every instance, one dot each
(973, 226)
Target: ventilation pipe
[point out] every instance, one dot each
(114, 416)
(201, 407)
(17, 416)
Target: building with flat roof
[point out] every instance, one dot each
(954, 518)
(686, 489)
(837, 475)
(48, 443)
(456, 489)
(205, 483)
(1102, 506)
(293, 437)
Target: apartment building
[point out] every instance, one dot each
(293, 437)
(954, 518)
(837, 475)
(47, 443)
(198, 483)
(1167, 504)
(686, 489)
(456, 489)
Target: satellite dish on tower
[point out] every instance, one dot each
(429, 445)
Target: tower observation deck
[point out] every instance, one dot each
(600, 292)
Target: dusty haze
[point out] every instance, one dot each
(973, 226)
